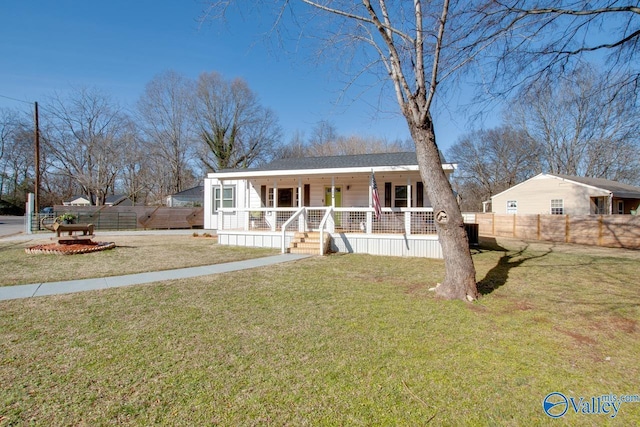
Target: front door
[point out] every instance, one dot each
(338, 201)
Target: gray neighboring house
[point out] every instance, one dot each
(190, 198)
(556, 194)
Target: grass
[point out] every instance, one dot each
(133, 254)
(339, 340)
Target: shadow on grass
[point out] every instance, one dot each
(498, 275)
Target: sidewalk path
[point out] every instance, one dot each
(57, 288)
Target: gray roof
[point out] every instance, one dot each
(198, 190)
(624, 191)
(337, 162)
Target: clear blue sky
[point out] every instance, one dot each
(118, 46)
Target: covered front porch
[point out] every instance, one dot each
(398, 231)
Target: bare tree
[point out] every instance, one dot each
(87, 135)
(16, 157)
(543, 40)
(168, 125)
(8, 127)
(415, 47)
(237, 131)
(582, 122)
(490, 161)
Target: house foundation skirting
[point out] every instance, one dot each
(425, 246)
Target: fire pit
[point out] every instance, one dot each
(70, 248)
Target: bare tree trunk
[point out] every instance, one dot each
(460, 274)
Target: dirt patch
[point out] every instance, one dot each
(623, 324)
(69, 249)
(416, 288)
(579, 338)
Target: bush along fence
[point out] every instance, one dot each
(616, 231)
(127, 217)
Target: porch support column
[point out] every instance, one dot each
(407, 214)
(247, 205)
(610, 203)
(369, 226)
(333, 191)
(220, 213)
(274, 214)
(302, 219)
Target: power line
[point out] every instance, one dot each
(16, 99)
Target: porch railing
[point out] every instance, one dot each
(344, 220)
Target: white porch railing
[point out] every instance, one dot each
(343, 220)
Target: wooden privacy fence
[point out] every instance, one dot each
(616, 231)
(146, 217)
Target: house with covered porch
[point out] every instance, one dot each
(320, 204)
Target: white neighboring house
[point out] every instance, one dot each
(567, 195)
(266, 206)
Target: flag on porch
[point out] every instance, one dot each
(375, 198)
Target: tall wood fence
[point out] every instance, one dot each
(617, 231)
(147, 217)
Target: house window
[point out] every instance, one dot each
(285, 197)
(401, 196)
(512, 206)
(270, 198)
(557, 207)
(597, 205)
(620, 207)
(225, 198)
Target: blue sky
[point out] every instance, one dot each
(119, 46)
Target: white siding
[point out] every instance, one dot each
(534, 196)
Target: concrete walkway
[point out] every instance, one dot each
(57, 288)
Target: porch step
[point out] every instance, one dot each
(308, 243)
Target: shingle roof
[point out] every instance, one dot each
(618, 189)
(198, 190)
(338, 162)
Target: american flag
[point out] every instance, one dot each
(375, 197)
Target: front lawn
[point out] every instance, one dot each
(338, 340)
(133, 254)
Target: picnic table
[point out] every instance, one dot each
(67, 233)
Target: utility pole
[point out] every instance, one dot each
(37, 163)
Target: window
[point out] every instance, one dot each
(512, 206)
(401, 196)
(597, 205)
(270, 199)
(557, 207)
(620, 207)
(224, 199)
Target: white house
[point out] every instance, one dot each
(567, 195)
(266, 206)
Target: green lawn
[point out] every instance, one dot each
(338, 340)
(133, 254)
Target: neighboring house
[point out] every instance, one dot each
(190, 198)
(567, 195)
(265, 206)
(113, 200)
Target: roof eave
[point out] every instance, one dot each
(312, 172)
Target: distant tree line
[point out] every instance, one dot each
(179, 130)
(583, 124)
